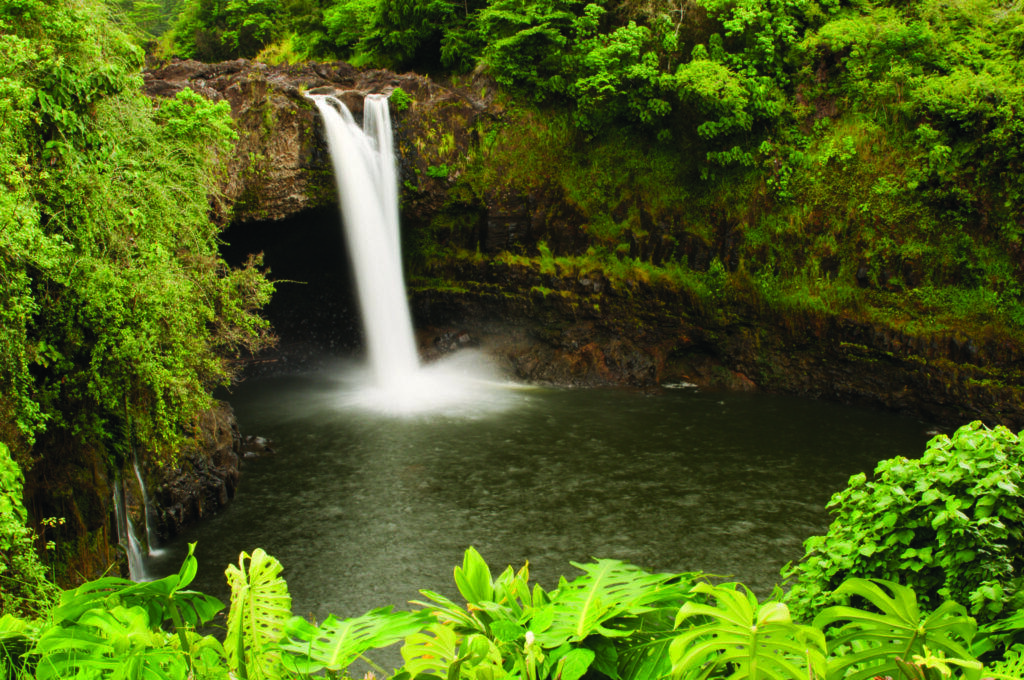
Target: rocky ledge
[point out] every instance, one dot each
(281, 166)
(579, 328)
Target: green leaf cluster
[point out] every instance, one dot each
(613, 621)
(215, 30)
(23, 584)
(950, 525)
(115, 305)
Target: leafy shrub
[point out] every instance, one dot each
(116, 304)
(400, 100)
(950, 525)
(421, 34)
(23, 584)
(113, 625)
(212, 30)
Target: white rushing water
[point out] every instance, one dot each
(364, 169)
(126, 535)
(147, 505)
(367, 182)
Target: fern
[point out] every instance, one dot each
(260, 610)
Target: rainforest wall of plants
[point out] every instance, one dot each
(864, 157)
(117, 315)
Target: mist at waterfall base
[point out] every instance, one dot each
(367, 183)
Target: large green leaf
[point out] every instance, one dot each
(473, 578)
(114, 643)
(609, 589)
(745, 639)
(336, 643)
(645, 654)
(440, 652)
(872, 643)
(164, 600)
(433, 650)
(260, 610)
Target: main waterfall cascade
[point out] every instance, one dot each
(364, 169)
(367, 183)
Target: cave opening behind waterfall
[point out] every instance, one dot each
(314, 310)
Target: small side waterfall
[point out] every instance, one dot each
(364, 168)
(147, 506)
(126, 535)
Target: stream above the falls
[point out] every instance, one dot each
(365, 508)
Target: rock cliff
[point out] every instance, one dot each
(281, 166)
(573, 326)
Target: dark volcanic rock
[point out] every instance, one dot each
(280, 166)
(205, 477)
(581, 330)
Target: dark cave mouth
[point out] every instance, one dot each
(314, 310)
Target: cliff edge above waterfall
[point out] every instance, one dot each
(280, 166)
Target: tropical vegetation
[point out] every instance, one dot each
(867, 156)
(855, 158)
(613, 620)
(118, 315)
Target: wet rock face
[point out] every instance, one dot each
(76, 489)
(281, 166)
(578, 329)
(205, 477)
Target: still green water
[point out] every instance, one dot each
(363, 508)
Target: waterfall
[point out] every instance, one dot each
(366, 177)
(367, 182)
(126, 534)
(147, 506)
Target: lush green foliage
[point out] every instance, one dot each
(115, 305)
(614, 621)
(212, 30)
(23, 583)
(950, 525)
(758, 640)
(876, 642)
(260, 607)
(876, 145)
